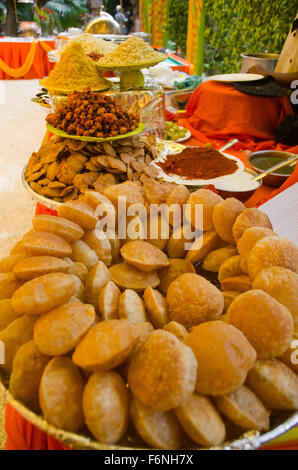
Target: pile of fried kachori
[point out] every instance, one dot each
(108, 335)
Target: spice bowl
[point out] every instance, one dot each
(265, 159)
(241, 187)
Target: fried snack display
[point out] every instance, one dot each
(93, 115)
(122, 341)
(64, 169)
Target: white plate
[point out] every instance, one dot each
(236, 77)
(198, 182)
(182, 139)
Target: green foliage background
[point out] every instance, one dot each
(233, 27)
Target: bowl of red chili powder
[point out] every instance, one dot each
(199, 165)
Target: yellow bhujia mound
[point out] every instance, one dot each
(75, 71)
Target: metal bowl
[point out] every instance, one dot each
(265, 60)
(274, 179)
(242, 195)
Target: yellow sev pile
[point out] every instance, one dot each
(75, 71)
(134, 51)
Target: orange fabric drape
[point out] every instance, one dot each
(217, 111)
(25, 59)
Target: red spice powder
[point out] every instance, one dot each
(198, 163)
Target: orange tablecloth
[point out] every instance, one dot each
(219, 111)
(14, 55)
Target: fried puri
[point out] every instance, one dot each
(272, 251)
(202, 246)
(64, 228)
(8, 262)
(162, 374)
(108, 301)
(35, 266)
(170, 273)
(249, 218)
(79, 213)
(192, 300)
(18, 332)
(244, 409)
(275, 384)
(230, 268)
(176, 329)
(247, 241)
(207, 200)
(282, 285)
(97, 278)
(127, 276)
(290, 356)
(224, 215)
(7, 313)
(60, 394)
(82, 253)
(106, 406)
(131, 307)
(179, 240)
(237, 283)
(214, 259)
(106, 345)
(98, 241)
(144, 255)
(156, 306)
(28, 366)
(224, 357)
(158, 429)
(9, 284)
(267, 324)
(144, 329)
(201, 421)
(44, 244)
(60, 330)
(43, 294)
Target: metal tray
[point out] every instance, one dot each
(248, 441)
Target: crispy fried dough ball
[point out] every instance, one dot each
(249, 218)
(105, 405)
(247, 241)
(159, 429)
(169, 274)
(28, 366)
(106, 345)
(272, 251)
(282, 285)
(192, 300)
(224, 215)
(244, 409)
(208, 199)
(275, 384)
(224, 357)
(201, 421)
(60, 394)
(266, 323)
(163, 372)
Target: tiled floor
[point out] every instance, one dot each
(22, 127)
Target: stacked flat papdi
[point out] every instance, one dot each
(101, 332)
